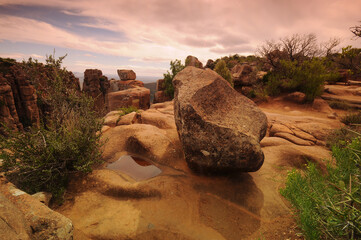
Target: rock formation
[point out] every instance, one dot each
(242, 75)
(138, 97)
(125, 75)
(160, 95)
(96, 86)
(25, 97)
(220, 130)
(193, 61)
(24, 217)
(8, 113)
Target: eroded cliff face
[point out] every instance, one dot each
(23, 93)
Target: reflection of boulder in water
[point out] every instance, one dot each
(137, 168)
(232, 206)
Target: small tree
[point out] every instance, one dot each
(221, 69)
(356, 30)
(175, 67)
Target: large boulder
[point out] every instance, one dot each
(220, 130)
(30, 218)
(125, 75)
(138, 97)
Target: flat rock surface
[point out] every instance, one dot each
(177, 204)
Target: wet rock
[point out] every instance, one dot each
(138, 97)
(193, 61)
(212, 118)
(126, 74)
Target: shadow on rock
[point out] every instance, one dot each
(231, 205)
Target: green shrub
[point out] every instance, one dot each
(308, 77)
(127, 110)
(43, 159)
(175, 66)
(328, 206)
(223, 71)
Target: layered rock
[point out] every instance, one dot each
(193, 61)
(117, 85)
(125, 75)
(220, 130)
(25, 97)
(8, 113)
(96, 86)
(138, 97)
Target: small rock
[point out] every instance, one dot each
(43, 197)
(296, 97)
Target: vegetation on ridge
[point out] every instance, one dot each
(67, 141)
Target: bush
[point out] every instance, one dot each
(223, 71)
(43, 159)
(308, 77)
(352, 118)
(175, 66)
(329, 205)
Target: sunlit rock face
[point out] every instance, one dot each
(220, 130)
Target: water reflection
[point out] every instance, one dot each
(137, 168)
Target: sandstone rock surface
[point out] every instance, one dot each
(126, 74)
(220, 130)
(138, 97)
(32, 214)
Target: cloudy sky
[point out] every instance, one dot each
(145, 35)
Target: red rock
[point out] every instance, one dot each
(160, 83)
(123, 85)
(126, 74)
(138, 97)
(96, 85)
(8, 113)
(242, 75)
(160, 97)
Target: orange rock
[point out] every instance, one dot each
(138, 97)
